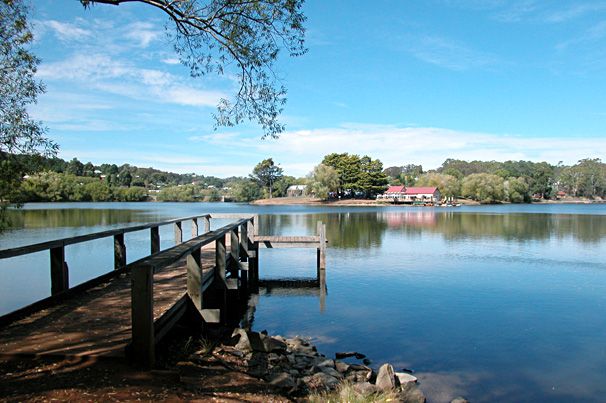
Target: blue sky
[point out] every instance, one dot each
(402, 81)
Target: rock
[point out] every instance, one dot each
(320, 381)
(366, 361)
(346, 354)
(272, 344)
(386, 379)
(283, 380)
(256, 341)
(241, 341)
(404, 377)
(459, 400)
(326, 363)
(410, 393)
(365, 388)
(331, 371)
(341, 366)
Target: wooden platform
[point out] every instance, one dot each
(97, 322)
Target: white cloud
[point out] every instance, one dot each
(142, 33)
(171, 60)
(66, 31)
(449, 54)
(119, 77)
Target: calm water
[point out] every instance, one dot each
(495, 303)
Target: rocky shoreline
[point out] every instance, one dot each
(294, 368)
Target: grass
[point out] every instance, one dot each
(346, 393)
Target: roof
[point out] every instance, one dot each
(420, 190)
(395, 189)
(412, 190)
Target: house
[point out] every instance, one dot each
(296, 191)
(411, 195)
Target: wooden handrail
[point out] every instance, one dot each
(37, 247)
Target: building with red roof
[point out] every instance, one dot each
(411, 195)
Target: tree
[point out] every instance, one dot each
(372, 179)
(19, 133)
(483, 187)
(322, 181)
(357, 174)
(75, 167)
(448, 185)
(516, 190)
(266, 173)
(218, 36)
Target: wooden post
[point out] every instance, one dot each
(142, 315)
(244, 242)
(194, 278)
(59, 271)
(220, 259)
(178, 233)
(234, 246)
(206, 224)
(321, 252)
(119, 251)
(154, 240)
(194, 227)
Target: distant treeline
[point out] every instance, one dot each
(513, 181)
(338, 175)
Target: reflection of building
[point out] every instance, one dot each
(403, 194)
(296, 191)
(416, 218)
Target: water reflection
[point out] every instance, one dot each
(367, 230)
(76, 217)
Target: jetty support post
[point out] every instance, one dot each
(119, 251)
(206, 224)
(215, 295)
(58, 270)
(142, 315)
(178, 233)
(253, 253)
(154, 235)
(321, 251)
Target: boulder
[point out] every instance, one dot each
(272, 344)
(341, 366)
(410, 393)
(459, 400)
(346, 354)
(283, 380)
(326, 363)
(331, 371)
(365, 388)
(404, 378)
(241, 341)
(386, 379)
(321, 381)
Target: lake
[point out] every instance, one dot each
(494, 303)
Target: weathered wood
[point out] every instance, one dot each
(194, 278)
(142, 315)
(24, 250)
(206, 223)
(279, 245)
(244, 242)
(154, 235)
(234, 247)
(119, 251)
(58, 270)
(178, 233)
(220, 259)
(322, 246)
(287, 239)
(167, 321)
(194, 227)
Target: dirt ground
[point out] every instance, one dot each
(210, 378)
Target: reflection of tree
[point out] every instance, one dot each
(514, 227)
(351, 230)
(49, 218)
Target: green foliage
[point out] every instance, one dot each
(363, 175)
(186, 193)
(245, 190)
(482, 187)
(516, 190)
(240, 39)
(586, 178)
(266, 173)
(19, 133)
(347, 393)
(322, 181)
(448, 185)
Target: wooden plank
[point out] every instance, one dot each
(285, 239)
(194, 279)
(220, 259)
(119, 251)
(194, 227)
(142, 315)
(278, 245)
(167, 321)
(59, 271)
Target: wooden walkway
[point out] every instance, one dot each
(133, 307)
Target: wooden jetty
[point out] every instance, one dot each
(127, 311)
